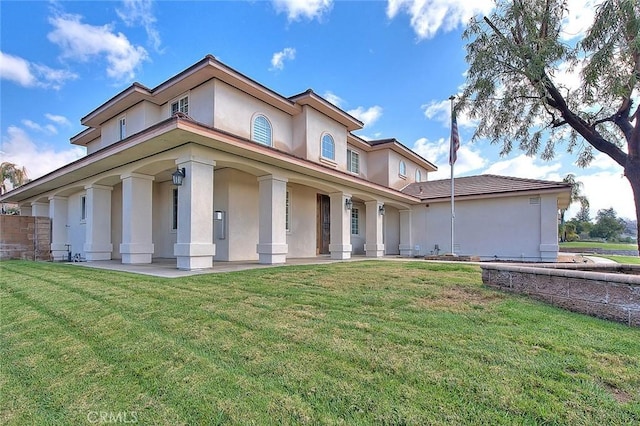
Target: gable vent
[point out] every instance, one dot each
(534, 200)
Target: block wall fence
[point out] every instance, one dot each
(25, 237)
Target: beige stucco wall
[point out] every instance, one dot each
(509, 228)
(317, 125)
(139, 117)
(163, 236)
(242, 216)
(76, 230)
(391, 231)
(301, 237)
(116, 220)
(234, 112)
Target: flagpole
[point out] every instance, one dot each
(452, 158)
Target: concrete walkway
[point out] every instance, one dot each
(166, 268)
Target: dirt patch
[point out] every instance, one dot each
(619, 395)
(459, 299)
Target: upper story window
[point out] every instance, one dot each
(261, 130)
(122, 123)
(353, 161)
(402, 170)
(418, 176)
(328, 147)
(181, 105)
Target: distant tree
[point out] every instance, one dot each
(608, 225)
(576, 196)
(583, 214)
(13, 174)
(516, 87)
(570, 233)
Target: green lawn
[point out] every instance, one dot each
(603, 246)
(346, 343)
(633, 260)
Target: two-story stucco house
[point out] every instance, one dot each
(261, 177)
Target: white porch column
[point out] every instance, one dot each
(340, 239)
(59, 238)
(195, 248)
(39, 209)
(373, 245)
(97, 244)
(137, 229)
(406, 246)
(549, 229)
(272, 244)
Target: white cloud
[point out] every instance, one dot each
(334, 99)
(368, 116)
(579, 18)
(38, 159)
(297, 9)
(468, 159)
(525, 167)
(427, 17)
(83, 42)
(140, 12)
(27, 74)
(606, 189)
(441, 111)
(278, 58)
(58, 119)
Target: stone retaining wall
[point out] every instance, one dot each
(25, 237)
(606, 291)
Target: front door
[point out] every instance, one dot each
(323, 233)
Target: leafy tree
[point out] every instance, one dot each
(608, 225)
(517, 58)
(583, 214)
(13, 174)
(576, 196)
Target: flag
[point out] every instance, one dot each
(455, 139)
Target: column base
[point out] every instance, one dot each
(136, 253)
(405, 250)
(374, 250)
(340, 251)
(270, 254)
(97, 252)
(194, 255)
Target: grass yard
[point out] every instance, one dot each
(352, 343)
(603, 246)
(631, 260)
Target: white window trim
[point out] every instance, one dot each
(355, 210)
(400, 164)
(349, 161)
(177, 100)
(122, 127)
(322, 156)
(288, 211)
(253, 136)
(83, 209)
(172, 230)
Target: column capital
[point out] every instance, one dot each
(194, 159)
(136, 175)
(96, 186)
(57, 197)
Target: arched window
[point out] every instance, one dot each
(328, 147)
(262, 130)
(402, 168)
(418, 176)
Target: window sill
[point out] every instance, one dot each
(328, 162)
(403, 177)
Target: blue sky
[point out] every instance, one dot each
(392, 64)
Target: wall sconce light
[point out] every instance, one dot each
(381, 210)
(178, 176)
(348, 203)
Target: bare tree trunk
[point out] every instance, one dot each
(632, 172)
